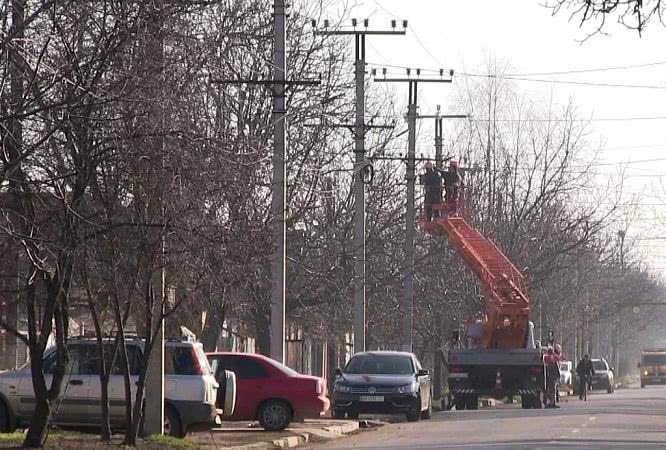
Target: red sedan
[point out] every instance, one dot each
(270, 392)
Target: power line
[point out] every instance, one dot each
(535, 80)
(578, 83)
(598, 69)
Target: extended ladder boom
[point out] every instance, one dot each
(507, 315)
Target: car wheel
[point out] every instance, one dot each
(172, 425)
(274, 415)
(338, 414)
(427, 414)
(460, 403)
(5, 426)
(526, 402)
(642, 386)
(352, 415)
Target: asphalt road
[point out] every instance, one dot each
(629, 418)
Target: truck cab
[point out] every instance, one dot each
(653, 367)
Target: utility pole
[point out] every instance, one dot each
(407, 306)
(154, 384)
(360, 165)
(616, 350)
(278, 85)
(279, 204)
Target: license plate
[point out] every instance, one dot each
(372, 398)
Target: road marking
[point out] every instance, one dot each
(584, 425)
(575, 430)
(593, 418)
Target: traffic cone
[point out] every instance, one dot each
(498, 381)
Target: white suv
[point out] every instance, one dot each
(190, 389)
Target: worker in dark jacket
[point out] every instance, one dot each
(433, 189)
(452, 182)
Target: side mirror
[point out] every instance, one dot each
(338, 372)
(423, 373)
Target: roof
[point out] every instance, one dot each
(384, 353)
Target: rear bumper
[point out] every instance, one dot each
(194, 413)
(600, 383)
(393, 403)
(312, 408)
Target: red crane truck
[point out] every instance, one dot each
(500, 358)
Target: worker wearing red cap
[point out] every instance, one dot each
(452, 182)
(433, 186)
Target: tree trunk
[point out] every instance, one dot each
(38, 430)
(213, 328)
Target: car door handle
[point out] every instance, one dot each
(76, 382)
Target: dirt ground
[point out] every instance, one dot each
(83, 441)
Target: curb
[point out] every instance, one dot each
(332, 432)
(292, 441)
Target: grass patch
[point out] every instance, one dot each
(16, 436)
(172, 442)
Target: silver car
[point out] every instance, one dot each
(190, 389)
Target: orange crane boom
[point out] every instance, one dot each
(506, 322)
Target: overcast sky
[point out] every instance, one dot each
(462, 34)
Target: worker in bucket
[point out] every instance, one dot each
(452, 183)
(433, 193)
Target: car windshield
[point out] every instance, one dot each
(654, 360)
(599, 365)
(380, 364)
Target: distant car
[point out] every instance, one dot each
(270, 392)
(603, 377)
(565, 373)
(383, 383)
(190, 389)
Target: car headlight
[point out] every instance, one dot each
(407, 388)
(339, 387)
(645, 372)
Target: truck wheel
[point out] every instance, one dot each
(536, 402)
(338, 414)
(473, 402)
(460, 403)
(642, 386)
(526, 402)
(352, 415)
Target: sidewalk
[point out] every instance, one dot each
(250, 436)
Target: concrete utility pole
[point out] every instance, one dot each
(279, 205)
(360, 166)
(278, 85)
(154, 386)
(407, 306)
